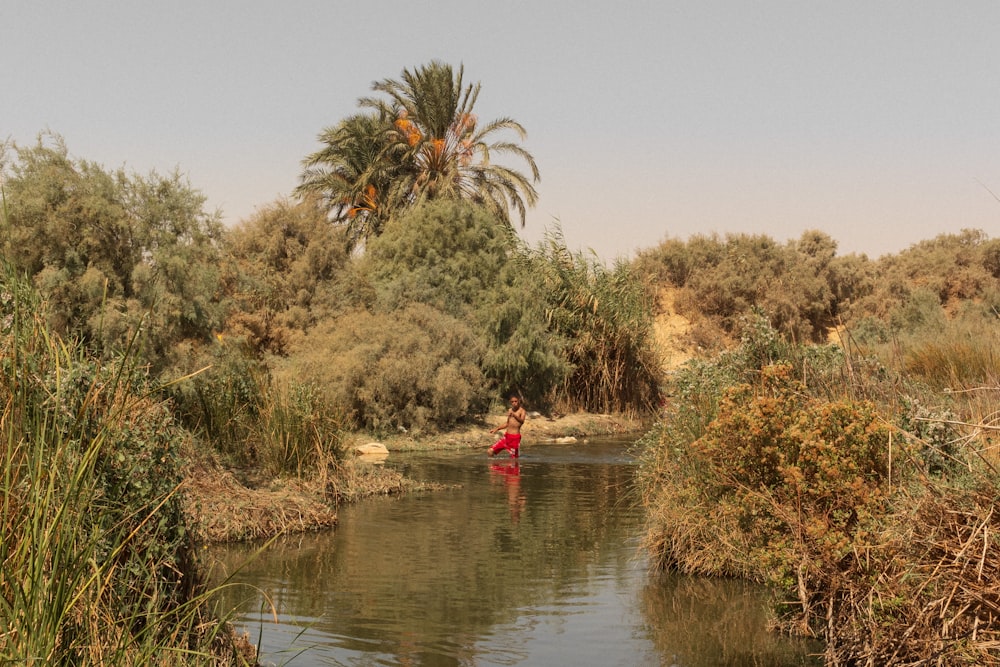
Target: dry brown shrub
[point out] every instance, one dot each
(928, 592)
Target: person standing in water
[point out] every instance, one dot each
(511, 440)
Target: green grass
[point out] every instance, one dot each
(97, 568)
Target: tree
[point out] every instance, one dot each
(352, 174)
(276, 262)
(421, 141)
(453, 256)
(113, 253)
(445, 253)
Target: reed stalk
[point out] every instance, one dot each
(94, 567)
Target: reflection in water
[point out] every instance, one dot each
(528, 562)
(510, 473)
(693, 619)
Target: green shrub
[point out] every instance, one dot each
(445, 253)
(222, 400)
(235, 403)
(455, 257)
(933, 434)
(298, 430)
(416, 368)
(522, 354)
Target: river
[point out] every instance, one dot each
(530, 562)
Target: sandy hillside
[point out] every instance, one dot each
(671, 331)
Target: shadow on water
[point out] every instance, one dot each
(530, 562)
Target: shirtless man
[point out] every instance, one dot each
(511, 439)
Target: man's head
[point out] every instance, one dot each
(515, 401)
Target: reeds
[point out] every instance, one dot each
(927, 592)
(253, 419)
(605, 316)
(96, 568)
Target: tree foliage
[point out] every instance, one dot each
(119, 257)
(279, 264)
(453, 256)
(446, 253)
(355, 176)
(422, 140)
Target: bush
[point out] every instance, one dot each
(280, 266)
(220, 397)
(867, 527)
(417, 368)
(777, 488)
(445, 253)
(234, 403)
(799, 286)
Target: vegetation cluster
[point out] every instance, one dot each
(833, 434)
(97, 565)
(856, 477)
(144, 340)
(805, 289)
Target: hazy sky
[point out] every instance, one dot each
(875, 122)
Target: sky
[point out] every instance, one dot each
(876, 122)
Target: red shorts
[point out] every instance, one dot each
(510, 442)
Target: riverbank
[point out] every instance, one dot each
(568, 429)
(227, 505)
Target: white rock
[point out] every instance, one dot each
(372, 448)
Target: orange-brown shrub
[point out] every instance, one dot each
(778, 489)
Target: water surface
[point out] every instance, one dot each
(530, 562)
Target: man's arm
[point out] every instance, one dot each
(504, 424)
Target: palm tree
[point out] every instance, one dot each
(351, 174)
(423, 142)
(449, 153)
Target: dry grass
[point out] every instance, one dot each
(226, 505)
(928, 594)
(223, 509)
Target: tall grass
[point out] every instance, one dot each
(97, 568)
(605, 316)
(283, 427)
(956, 359)
(299, 433)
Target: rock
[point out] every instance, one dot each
(371, 449)
(566, 440)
